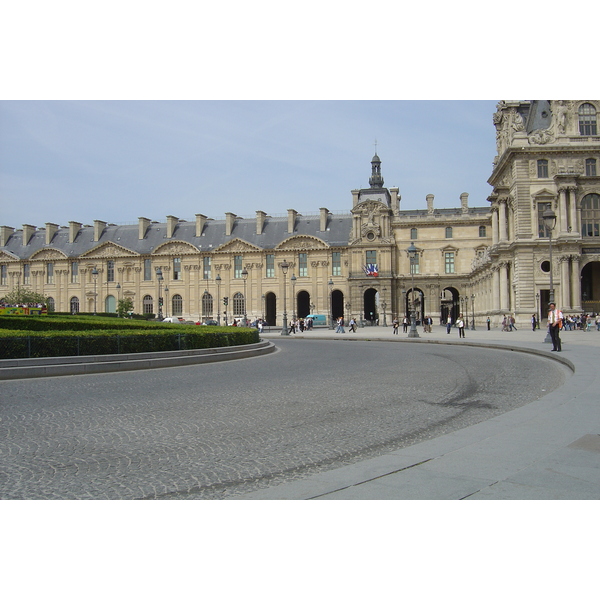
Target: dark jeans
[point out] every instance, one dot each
(555, 336)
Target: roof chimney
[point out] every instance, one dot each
(395, 199)
(74, 228)
(98, 229)
(143, 225)
(355, 195)
(292, 214)
(51, 229)
(260, 221)
(28, 231)
(200, 221)
(171, 225)
(323, 219)
(464, 202)
(430, 203)
(5, 233)
(229, 222)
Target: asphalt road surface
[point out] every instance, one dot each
(224, 429)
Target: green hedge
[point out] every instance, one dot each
(96, 337)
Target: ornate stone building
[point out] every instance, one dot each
(481, 261)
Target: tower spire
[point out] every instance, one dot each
(376, 180)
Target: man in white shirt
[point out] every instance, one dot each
(555, 318)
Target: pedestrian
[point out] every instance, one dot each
(340, 325)
(461, 326)
(512, 323)
(405, 324)
(505, 324)
(555, 318)
(598, 322)
(395, 326)
(533, 322)
(489, 322)
(352, 325)
(448, 324)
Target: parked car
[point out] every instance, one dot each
(173, 320)
(207, 323)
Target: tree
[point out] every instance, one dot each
(24, 296)
(124, 307)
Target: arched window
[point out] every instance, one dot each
(448, 232)
(74, 305)
(177, 305)
(239, 304)
(482, 231)
(147, 305)
(413, 233)
(110, 304)
(587, 119)
(207, 305)
(50, 304)
(590, 216)
(590, 167)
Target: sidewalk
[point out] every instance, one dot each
(547, 449)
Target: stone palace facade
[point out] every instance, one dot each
(480, 261)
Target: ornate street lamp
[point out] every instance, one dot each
(537, 308)
(95, 276)
(549, 217)
(293, 280)
(473, 310)
(244, 277)
(412, 253)
(159, 276)
(218, 280)
(167, 301)
(284, 269)
(263, 298)
(384, 306)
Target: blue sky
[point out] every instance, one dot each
(119, 160)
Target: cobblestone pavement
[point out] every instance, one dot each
(224, 429)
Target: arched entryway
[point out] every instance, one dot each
(415, 295)
(337, 304)
(110, 304)
(449, 304)
(371, 302)
(270, 308)
(303, 304)
(590, 287)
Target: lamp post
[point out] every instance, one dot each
(549, 217)
(263, 298)
(118, 296)
(218, 280)
(537, 308)
(383, 307)
(293, 280)
(167, 302)
(159, 277)
(95, 276)
(244, 277)
(330, 284)
(473, 311)
(284, 269)
(412, 253)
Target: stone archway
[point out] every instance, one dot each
(590, 287)
(337, 304)
(271, 308)
(370, 299)
(302, 304)
(450, 304)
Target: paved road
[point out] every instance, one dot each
(226, 429)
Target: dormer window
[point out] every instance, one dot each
(542, 168)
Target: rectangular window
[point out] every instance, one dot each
(206, 268)
(449, 262)
(542, 229)
(448, 232)
(50, 273)
(302, 264)
(413, 233)
(371, 257)
(74, 272)
(177, 268)
(482, 231)
(542, 169)
(590, 167)
(336, 262)
(26, 274)
(237, 266)
(148, 270)
(110, 270)
(270, 265)
(3, 274)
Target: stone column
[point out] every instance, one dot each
(502, 220)
(495, 300)
(504, 297)
(575, 283)
(562, 210)
(494, 227)
(565, 283)
(573, 210)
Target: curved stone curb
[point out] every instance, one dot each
(110, 363)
